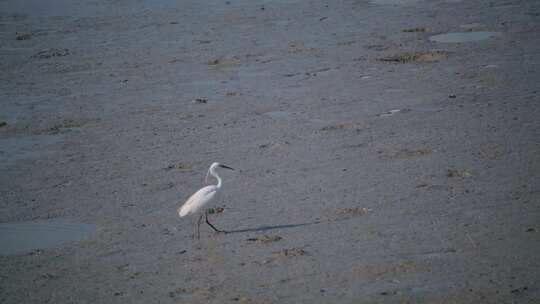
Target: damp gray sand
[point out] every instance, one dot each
(25, 237)
(278, 114)
(462, 37)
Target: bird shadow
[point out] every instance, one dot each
(267, 227)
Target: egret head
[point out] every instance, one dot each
(216, 164)
(213, 167)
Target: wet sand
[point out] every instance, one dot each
(374, 164)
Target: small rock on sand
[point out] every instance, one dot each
(265, 239)
(23, 35)
(291, 252)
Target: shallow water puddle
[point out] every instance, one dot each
(14, 149)
(427, 108)
(395, 2)
(25, 237)
(390, 113)
(462, 37)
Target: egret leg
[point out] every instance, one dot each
(209, 224)
(199, 227)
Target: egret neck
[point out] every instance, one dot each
(214, 174)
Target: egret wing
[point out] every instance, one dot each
(197, 200)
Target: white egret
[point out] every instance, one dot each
(202, 197)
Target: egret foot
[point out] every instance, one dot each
(212, 226)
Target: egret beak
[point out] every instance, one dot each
(226, 167)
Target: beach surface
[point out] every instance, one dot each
(386, 151)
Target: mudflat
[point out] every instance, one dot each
(386, 151)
